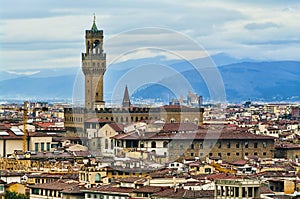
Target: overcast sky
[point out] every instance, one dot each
(46, 33)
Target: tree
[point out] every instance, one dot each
(14, 195)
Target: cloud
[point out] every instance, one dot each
(276, 42)
(27, 73)
(51, 34)
(261, 26)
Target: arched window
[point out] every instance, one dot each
(97, 177)
(142, 145)
(165, 144)
(196, 121)
(153, 144)
(112, 144)
(172, 120)
(106, 143)
(192, 146)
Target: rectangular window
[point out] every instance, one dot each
(35, 191)
(264, 153)
(192, 154)
(237, 154)
(181, 146)
(220, 154)
(48, 146)
(192, 146)
(237, 145)
(99, 143)
(106, 144)
(36, 146)
(201, 145)
(228, 154)
(219, 145)
(255, 153)
(246, 144)
(228, 145)
(42, 146)
(255, 145)
(265, 144)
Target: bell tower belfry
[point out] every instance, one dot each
(93, 67)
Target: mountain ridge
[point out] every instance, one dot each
(263, 81)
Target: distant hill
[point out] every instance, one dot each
(263, 81)
(59, 87)
(259, 81)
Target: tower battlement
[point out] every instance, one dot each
(85, 56)
(91, 33)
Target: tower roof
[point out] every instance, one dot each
(94, 27)
(126, 100)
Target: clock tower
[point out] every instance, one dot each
(93, 67)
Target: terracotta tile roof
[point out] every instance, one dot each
(82, 154)
(56, 185)
(173, 127)
(61, 139)
(44, 175)
(131, 179)
(200, 134)
(269, 174)
(44, 125)
(77, 190)
(110, 189)
(160, 173)
(219, 176)
(170, 193)
(286, 145)
(200, 176)
(126, 136)
(40, 134)
(117, 127)
(148, 189)
(239, 162)
(4, 127)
